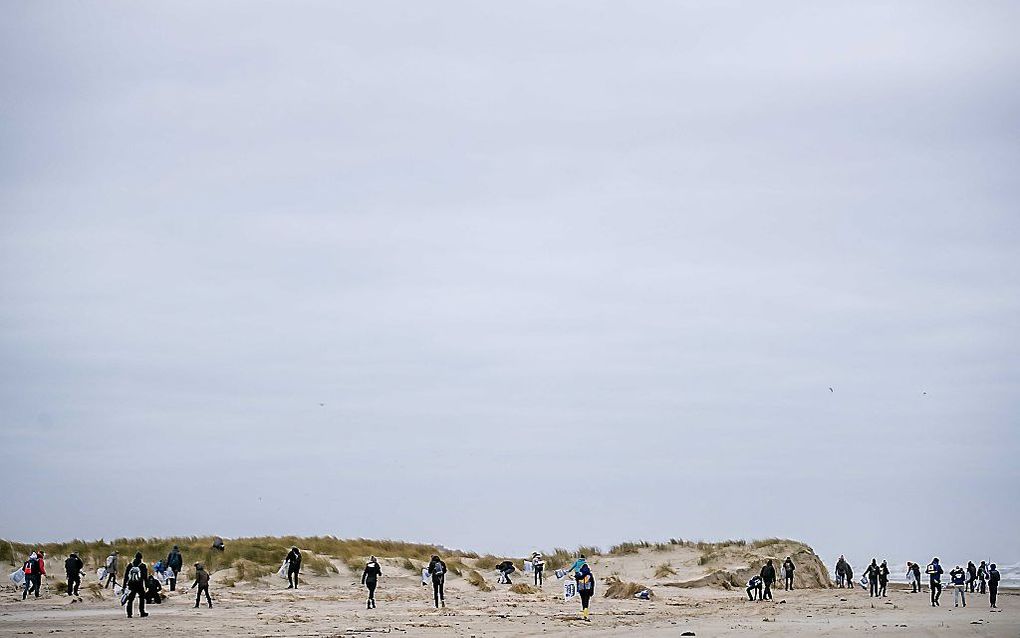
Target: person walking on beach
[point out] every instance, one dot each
(134, 580)
(768, 577)
(437, 570)
(202, 582)
(982, 576)
(840, 571)
(914, 574)
(993, 585)
(72, 568)
(111, 569)
(370, 578)
(585, 584)
(848, 572)
(971, 576)
(31, 570)
(883, 578)
(538, 566)
(293, 567)
(754, 588)
(788, 570)
(872, 573)
(958, 578)
(175, 562)
(934, 572)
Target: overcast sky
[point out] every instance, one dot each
(560, 273)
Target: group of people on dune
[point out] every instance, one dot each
(144, 585)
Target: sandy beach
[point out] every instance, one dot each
(334, 606)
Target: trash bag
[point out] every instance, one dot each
(569, 589)
(18, 577)
(101, 574)
(560, 573)
(282, 573)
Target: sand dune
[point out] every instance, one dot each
(692, 584)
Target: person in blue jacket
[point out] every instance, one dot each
(585, 584)
(935, 581)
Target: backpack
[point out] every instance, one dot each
(28, 567)
(438, 568)
(135, 575)
(110, 560)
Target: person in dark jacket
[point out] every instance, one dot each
(993, 584)
(914, 574)
(788, 570)
(293, 567)
(840, 571)
(585, 586)
(152, 590)
(849, 574)
(982, 576)
(934, 572)
(134, 579)
(175, 562)
(768, 579)
(971, 576)
(370, 578)
(31, 570)
(883, 578)
(505, 569)
(872, 573)
(202, 582)
(73, 567)
(754, 588)
(437, 569)
(958, 577)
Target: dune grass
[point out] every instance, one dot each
(268, 551)
(476, 579)
(488, 562)
(664, 570)
(249, 572)
(523, 588)
(616, 588)
(628, 548)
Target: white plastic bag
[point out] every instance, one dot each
(569, 589)
(425, 576)
(101, 574)
(18, 577)
(283, 570)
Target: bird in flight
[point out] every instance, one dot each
(830, 389)
(322, 405)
